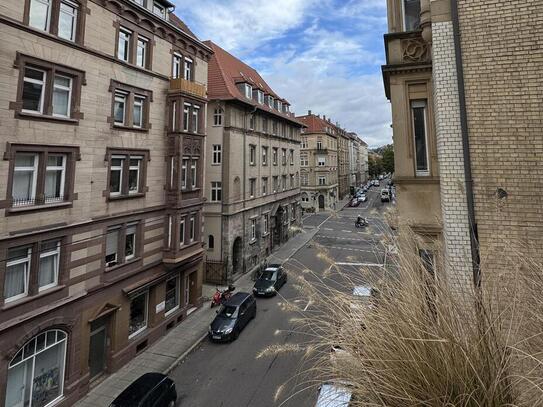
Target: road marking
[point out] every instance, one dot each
(318, 227)
(347, 231)
(360, 264)
(327, 229)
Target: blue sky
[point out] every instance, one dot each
(320, 55)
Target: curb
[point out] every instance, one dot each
(180, 358)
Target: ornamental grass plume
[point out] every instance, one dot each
(425, 340)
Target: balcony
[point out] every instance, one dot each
(188, 87)
(321, 150)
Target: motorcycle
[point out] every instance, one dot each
(222, 295)
(362, 223)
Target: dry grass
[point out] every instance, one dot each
(427, 342)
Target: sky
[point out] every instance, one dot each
(320, 55)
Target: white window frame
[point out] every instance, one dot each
(177, 294)
(143, 328)
(182, 235)
(291, 157)
(264, 186)
(304, 142)
(54, 252)
(264, 155)
(253, 229)
(135, 227)
(194, 172)
(73, 15)
(321, 161)
(266, 222)
(117, 168)
(185, 162)
(216, 191)
(252, 187)
(217, 117)
(216, 154)
(113, 230)
(27, 260)
(174, 114)
(186, 116)
(402, 7)
(415, 104)
(322, 179)
(139, 102)
(170, 226)
(252, 154)
(177, 63)
(62, 176)
(34, 170)
(125, 35)
(137, 168)
(187, 69)
(159, 10)
(120, 97)
(48, 15)
(144, 48)
(64, 88)
(270, 102)
(196, 118)
(36, 82)
(260, 96)
(248, 91)
(192, 228)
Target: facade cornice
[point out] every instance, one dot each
(235, 100)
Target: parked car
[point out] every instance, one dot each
(232, 317)
(376, 183)
(362, 198)
(151, 389)
(364, 298)
(354, 202)
(270, 280)
(334, 395)
(380, 177)
(385, 195)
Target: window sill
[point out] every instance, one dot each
(137, 333)
(253, 241)
(123, 197)
(128, 128)
(215, 164)
(266, 234)
(29, 298)
(16, 210)
(37, 116)
(121, 265)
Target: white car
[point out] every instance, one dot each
(334, 395)
(362, 198)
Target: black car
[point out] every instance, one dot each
(270, 280)
(232, 317)
(149, 390)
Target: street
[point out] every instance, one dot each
(231, 375)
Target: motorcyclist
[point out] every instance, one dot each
(359, 220)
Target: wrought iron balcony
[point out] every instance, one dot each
(189, 87)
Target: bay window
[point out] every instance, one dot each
(192, 228)
(182, 232)
(194, 172)
(195, 118)
(184, 172)
(186, 110)
(418, 114)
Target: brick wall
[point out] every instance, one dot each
(503, 58)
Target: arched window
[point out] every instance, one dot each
(217, 117)
(36, 372)
(210, 242)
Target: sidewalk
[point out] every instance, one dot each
(169, 351)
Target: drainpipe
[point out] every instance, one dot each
(475, 255)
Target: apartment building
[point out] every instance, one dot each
(253, 174)
(467, 128)
(344, 163)
(318, 163)
(362, 160)
(103, 108)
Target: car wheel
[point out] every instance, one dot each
(236, 335)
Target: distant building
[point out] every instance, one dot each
(252, 180)
(318, 163)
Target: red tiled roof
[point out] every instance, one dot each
(315, 124)
(225, 71)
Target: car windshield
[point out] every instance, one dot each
(228, 311)
(269, 275)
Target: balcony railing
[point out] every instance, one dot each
(43, 200)
(189, 87)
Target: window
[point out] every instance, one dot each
(170, 227)
(138, 315)
(17, 273)
(284, 183)
(292, 180)
(322, 180)
(284, 156)
(293, 211)
(40, 14)
(121, 243)
(304, 162)
(319, 145)
(33, 90)
(194, 172)
(291, 155)
(264, 186)
(305, 180)
(176, 65)
(62, 95)
(112, 247)
(260, 97)
(186, 111)
(49, 265)
(270, 102)
(418, 112)
(130, 242)
(253, 229)
(411, 14)
(305, 198)
(171, 297)
(216, 191)
(217, 117)
(252, 187)
(264, 155)
(188, 69)
(141, 52)
(159, 9)
(57, 17)
(195, 118)
(174, 115)
(248, 91)
(192, 228)
(279, 106)
(182, 232)
(67, 20)
(137, 115)
(184, 172)
(321, 161)
(275, 184)
(252, 122)
(274, 127)
(265, 224)
(123, 49)
(252, 154)
(120, 166)
(210, 242)
(35, 375)
(130, 107)
(427, 258)
(274, 156)
(216, 154)
(265, 124)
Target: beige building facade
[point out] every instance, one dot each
(252, 172)
(318, 164)
(101, 189)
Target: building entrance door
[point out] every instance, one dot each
(98, 347)
(321, 201)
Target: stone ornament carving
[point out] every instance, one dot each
(415, 50)
(192, 147)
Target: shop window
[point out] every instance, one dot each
(138, 315)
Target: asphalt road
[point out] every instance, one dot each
(231, 375)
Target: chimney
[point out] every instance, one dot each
(309, 112)
(324, 117)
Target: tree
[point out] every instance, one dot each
(388, 158)
(375, 165)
